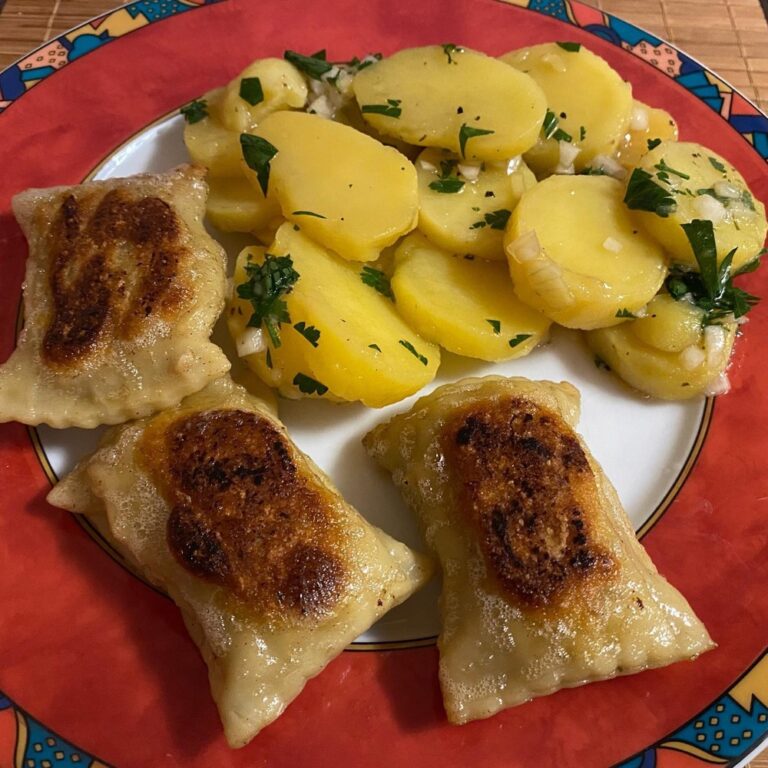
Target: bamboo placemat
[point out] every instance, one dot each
(729, 36)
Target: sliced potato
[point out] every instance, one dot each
(445, 98)
(669, 353)
(214, 146)
(282, 87)
(649, 125)
(348, 192)
(466, 306)
(703, 186)
(235, 206)
(590, 100)
(575, 254)
(363, 350)
(470, 220)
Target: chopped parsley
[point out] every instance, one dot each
(258, 154)
(448, 182)
(716, 164)
(308, 385)
(309, 213)
(590, 171)
(195, 111)
(251, 90)
(265, 288)
(664, 171)
(407, 344)
(550, 129)
(390, 109)
(467, 132)
(745, 198)
(314, 66)
(269, 358)
(644, 194)
(494, 220)
(374, 346)
(582, 133)
(519, 339)
(378, 281)
(496, 325)
(570, 47)
(653, 143)
(356, 64)
(309, 332)
(451, 48)
(625, 313)
(711, 288)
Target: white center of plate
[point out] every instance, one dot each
(642, 444)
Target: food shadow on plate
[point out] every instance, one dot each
(152, 626)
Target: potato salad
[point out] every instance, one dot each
(443, 199)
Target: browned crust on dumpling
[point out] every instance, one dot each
(114, 259)
(527, 488)
(243, 514)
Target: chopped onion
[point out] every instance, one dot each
(714, 344)
(545, 276)
(525, 248)
(427, 166)
(513, 165)
(322, 107)
(568, 153)
(642, 312)
(718, 386)
(639, 120)
(554, 61)
(609, 165)
(469, 171)
(709, 208)
(692, 357)
(250, 342)
(612, 244)
(727, 190)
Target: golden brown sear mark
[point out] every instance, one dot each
(243, 515)
(114, 261)
(527, 488)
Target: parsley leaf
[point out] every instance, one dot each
(451, 48)
(265, 288)
(496, 325)
(309, 213)
(625, 313)
(314, 66)
(570, 47)
(467, 132)
(251, 90)
(494, 220)
(195, 111)
(745, 198)
(378, 281)
(448, 182)
(258, 154)
(308, 385)
(309, 332)
(519, 339)
(374, 346)
(407, 344)
(664, 170)
(390, 109)
(582, 133)
(716, 164)
(653, 143)
(644, 194)
(550, 129)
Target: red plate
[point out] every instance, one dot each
(104, 661)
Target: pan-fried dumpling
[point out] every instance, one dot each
(122, 289)
(274, 572)
(545, 585)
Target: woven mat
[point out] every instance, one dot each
(729, 36)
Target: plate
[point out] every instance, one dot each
(97, 667)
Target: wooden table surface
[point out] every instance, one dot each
(729, 36)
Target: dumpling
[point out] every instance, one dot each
(545, 585)
(274, 572)
(123, 286)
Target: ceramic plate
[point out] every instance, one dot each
(97, 668)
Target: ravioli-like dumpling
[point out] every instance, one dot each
(122, 289)
(545, 585)
(274, 572)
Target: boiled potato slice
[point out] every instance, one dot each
(575, 254)
(703, 185)
(669, 353)
(363, 351)
(471, 219)
(466, 306)
(442, 97)
(648, 125)
(235, 206)
(282, 87)
(587, 96)
(348, 192)
(213, 146)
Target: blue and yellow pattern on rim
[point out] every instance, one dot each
(728, 729)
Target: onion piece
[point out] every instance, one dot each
(545, 276)
(727, 190)
(469, 171)
(709, 208)
(720, 385)
(250, 342)
(639, 120)
(609, 166)
(568, 153)
(612, 244)
(692, 357)
(555, 61)
(714, 344)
